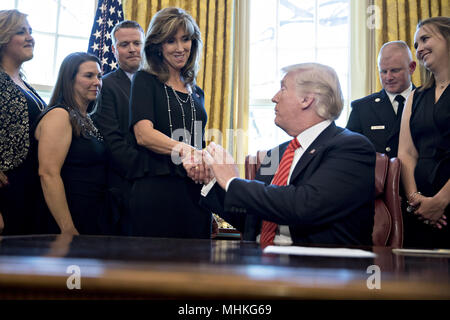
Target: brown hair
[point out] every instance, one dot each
(164, 25)
(63, 93)
(125, 24)
(441, 25)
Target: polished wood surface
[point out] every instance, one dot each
(36, 267)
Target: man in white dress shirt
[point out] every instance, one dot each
(332, 165)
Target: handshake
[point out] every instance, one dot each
(213, 162)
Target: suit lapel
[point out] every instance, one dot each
(123, 80)
(314, 149)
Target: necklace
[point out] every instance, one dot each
(178, 97)
(87, 125)
(193, 115)
(91, 129)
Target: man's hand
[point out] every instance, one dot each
(221, 163)
(196, 167)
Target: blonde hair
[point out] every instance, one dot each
(11, 21)
(441, 26)
(323, 82)
(165, 25)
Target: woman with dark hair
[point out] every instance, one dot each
(20, 192)
(168, 119)
(72, 156)
(424, 147)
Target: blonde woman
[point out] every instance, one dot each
(20, 193)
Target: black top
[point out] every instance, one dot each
(430, 131)
(148, 101)
(84, 177)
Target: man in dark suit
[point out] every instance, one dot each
(112, 118)
(329, 196)
(378, 115)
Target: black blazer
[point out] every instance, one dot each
(330, 198)
(374, 117)
(112, 119)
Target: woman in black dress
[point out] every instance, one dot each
(72, 156)
(168, 119)
(20, 191)
(424, 147)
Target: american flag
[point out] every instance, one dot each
(108, 14)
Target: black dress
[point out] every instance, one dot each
(430, 131)
(21, 202)
(84, 177)
(164, 200)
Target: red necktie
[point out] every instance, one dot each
(268, 228)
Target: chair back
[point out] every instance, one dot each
(388, 221)
(252, 164)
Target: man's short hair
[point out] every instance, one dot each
(125, 24)
(323, 82)
(399, 44)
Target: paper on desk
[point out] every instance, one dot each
(441, 253)
(323, 252)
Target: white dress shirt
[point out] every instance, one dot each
(392, 96)
(130, 75)
(306, 138)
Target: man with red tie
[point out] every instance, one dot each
(322, 190)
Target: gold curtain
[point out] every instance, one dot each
(215, 20)
(398, 20)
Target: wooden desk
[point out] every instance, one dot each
(117, 267)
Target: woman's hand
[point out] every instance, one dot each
(3, 180)
(429, 209)
(196, 168)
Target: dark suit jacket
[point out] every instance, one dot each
(330, 198)
(374, 111)
(112, 119)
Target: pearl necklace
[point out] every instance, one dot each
(193, 114)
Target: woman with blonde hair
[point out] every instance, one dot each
(20, 192)
(168, 119)
(424, 147)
